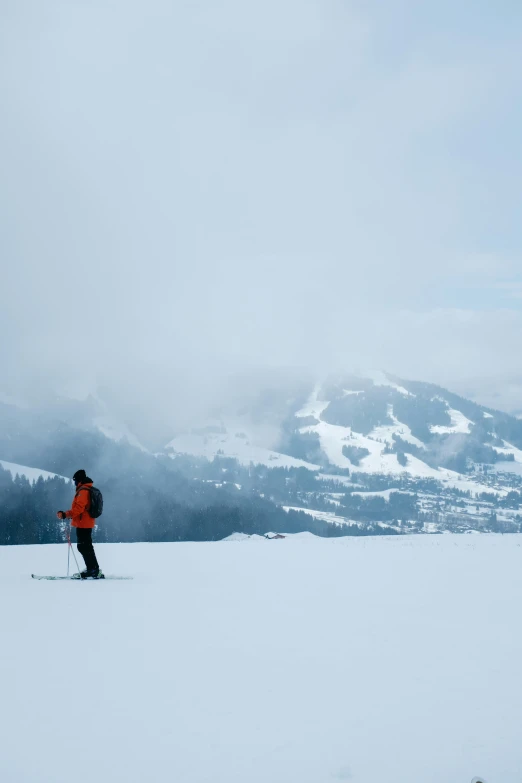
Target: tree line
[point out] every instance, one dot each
(135, 510)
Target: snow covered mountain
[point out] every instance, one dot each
(31, 474)
(380, 452)
(372, 423)
(90, 412)
(356, 453)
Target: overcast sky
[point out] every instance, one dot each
(226, 183)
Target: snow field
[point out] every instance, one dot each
(324, 516)
(383, 493)
(387, 431)
(314, 407)
(459, 423)
(380, 378)
(31, 474)
(230, 445)
(301, 660)
(508, 448)
(333, 437)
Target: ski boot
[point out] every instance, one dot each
(92, 573)
(89, 573)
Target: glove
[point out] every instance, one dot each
(61, 515)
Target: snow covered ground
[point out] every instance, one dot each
(459, 424)
(333, 437)
(301, 660)
(380, 378)
(507, 467)
(324, 516)
(31, 474)
(509, 449)
(231, 444)
(383, 493)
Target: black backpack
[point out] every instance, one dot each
(96, 501)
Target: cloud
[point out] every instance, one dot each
(197, 188)
(512, 288)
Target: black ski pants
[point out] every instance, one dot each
(85, 547)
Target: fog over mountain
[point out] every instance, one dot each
(198, 192)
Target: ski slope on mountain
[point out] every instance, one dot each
(334, 438)
(380, 378)
(235, 445)
(31, 474)
(372, 424)
(300, 660)
(459, 424)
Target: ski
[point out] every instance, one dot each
(75, 578)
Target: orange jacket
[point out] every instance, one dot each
(79, 511)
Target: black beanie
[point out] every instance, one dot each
(80, 477)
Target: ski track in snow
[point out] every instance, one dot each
(301, 660)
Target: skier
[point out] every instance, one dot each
(84, 523)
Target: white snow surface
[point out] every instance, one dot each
(508, 448)
(31, 474)
(508, 467)
(314, 406)
(324, 516)
(459, 424)
(383, 493)
(387, 431)
(254, 537)
(333, 437)
(244, 537)
(380, 378)
(231, 445)
(300, 661)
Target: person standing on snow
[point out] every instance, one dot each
(84, 523)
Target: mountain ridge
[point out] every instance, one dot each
(378, 423)
(349, 455)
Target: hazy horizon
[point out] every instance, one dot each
(192, 191)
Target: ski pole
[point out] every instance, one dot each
(71, 549)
